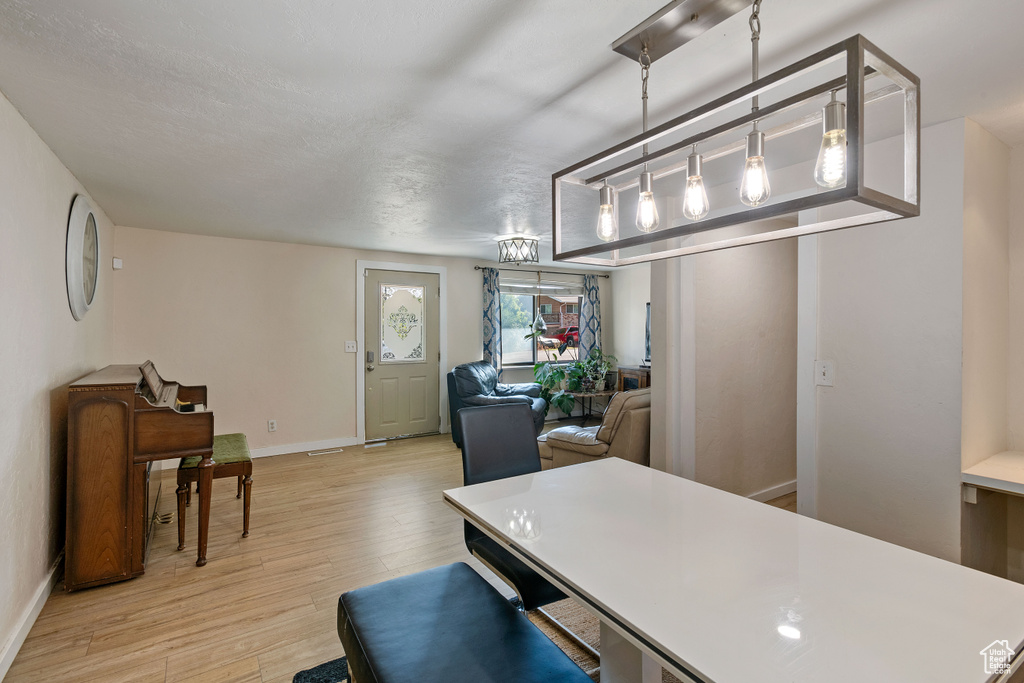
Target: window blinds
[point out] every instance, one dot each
(540, 283)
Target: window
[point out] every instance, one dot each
(516, 319)
(518, 311)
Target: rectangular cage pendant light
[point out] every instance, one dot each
(880, 181)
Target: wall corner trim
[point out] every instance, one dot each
(28, 618)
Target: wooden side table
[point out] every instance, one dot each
(634, 377)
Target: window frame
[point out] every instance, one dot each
(535, 311)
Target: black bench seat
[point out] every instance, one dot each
(448, 625)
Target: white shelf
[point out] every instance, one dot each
(1002, 472)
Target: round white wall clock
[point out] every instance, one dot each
(83, 257)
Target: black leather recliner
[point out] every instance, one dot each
(476, 384)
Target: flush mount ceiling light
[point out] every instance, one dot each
(843, 126)
(518, 249)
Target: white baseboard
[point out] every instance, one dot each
(28, 618)
(774, 492)
(303, 447)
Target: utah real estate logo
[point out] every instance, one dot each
(997, 656)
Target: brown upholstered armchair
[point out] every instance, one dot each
(624, 432)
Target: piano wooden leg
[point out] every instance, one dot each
(182, 489)
(248, 498)
(205, 495)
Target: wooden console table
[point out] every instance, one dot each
(634, 377)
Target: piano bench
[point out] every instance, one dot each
(231, 458)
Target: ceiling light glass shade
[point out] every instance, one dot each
(518, 249)
(830, 169)
(607, 216)
(646, 210)
(754, 188)
(882, 131)
(695, 197)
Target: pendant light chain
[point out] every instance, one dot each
(755, 39)
(645, 72)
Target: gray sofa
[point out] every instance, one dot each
(476, 384)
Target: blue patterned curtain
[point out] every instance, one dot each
(590, 317)
(492, 318)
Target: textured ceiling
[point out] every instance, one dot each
(423, 127)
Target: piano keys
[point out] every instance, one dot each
(122, 419)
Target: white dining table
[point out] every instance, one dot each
(718, 588)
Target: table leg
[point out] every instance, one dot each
(624, 662)
(205, 496)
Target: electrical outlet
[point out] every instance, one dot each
(351, 347)
(271, 425)
(824, 373)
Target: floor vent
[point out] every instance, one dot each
(325, 451)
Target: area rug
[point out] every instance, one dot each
(587, 627)
(334, 671)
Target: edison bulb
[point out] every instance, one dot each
(695, 201)
(754, 188)
(695, 198)
(607, 217)
(830, 169)
(646, 210)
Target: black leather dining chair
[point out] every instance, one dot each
(499, 441)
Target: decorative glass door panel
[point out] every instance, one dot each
(403, 318)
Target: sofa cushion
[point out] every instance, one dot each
(545, 451)
(580, 439)
(227, 449)
(617, 407)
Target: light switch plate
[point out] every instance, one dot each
(351, 347)
(824, 373)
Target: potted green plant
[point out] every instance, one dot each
(598, 365)
(556, 379)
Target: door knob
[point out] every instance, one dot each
(369, 368)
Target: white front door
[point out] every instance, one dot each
(402, 359)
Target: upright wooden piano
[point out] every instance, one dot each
(120, 420)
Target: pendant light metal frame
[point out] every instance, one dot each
(862, 60)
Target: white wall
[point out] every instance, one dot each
(986, 294)
(1015, 361)
(263, 325)
(44, 349)
(723, 345)
(746, 367)
(890, 315)
(631, 290)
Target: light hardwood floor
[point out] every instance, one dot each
(264, 607)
